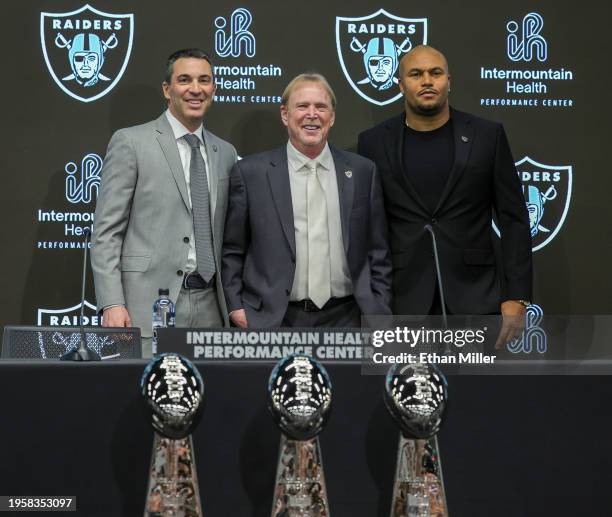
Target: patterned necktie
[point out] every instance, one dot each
(200, 207)
(319, 265)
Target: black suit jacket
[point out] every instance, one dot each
(483, 180)
(259, 244)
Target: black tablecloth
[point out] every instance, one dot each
(511, 446)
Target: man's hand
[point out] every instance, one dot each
(513, 322)
(239, 318)
(117, 316)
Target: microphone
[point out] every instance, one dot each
(434, 245)
(83, 352)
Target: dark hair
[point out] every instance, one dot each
(185, 52)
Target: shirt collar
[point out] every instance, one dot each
(179, 130)
(297, 160)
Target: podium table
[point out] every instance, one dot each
(511, 446)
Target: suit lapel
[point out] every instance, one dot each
(462, 136)
(394, 148)
(278, 177)
(167, 142)
(346, 192)
(212, 154)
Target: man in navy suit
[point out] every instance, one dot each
(306, 236)
(450, 171)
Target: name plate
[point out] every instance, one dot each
(263, 345)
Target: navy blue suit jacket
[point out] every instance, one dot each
(259, 243)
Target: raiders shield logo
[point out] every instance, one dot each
(68, 317)
(548, 192)
(370, 48)
(86, 50)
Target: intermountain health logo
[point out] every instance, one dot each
(232, 38)
(525, 80)
(82, 183)
(63, 227)
(87, 50)
(534, 338)
(370, 49)
(240, 79)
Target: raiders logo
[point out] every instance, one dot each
(370, 48)
(70, 316)
(548, 191)
(86, 51)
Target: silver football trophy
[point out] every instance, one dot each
(299, 397)
(416, 396)
(174, 394)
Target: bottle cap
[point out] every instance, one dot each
(164, 291)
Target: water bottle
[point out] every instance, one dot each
(163, 315)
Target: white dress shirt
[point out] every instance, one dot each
(299, 168)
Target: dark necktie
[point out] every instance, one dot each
(200, 207)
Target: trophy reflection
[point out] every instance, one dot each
(299, 397)
(174, 393)
(416, 396)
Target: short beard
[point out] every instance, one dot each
(427, 111)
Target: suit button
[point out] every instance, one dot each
(185, 240)
(434, 220)
(293, 259)
(179, 272)
(287, 291)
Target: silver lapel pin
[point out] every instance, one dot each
(349, 174)
(464, 138)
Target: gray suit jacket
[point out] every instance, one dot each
(259, 245)
(143, 220)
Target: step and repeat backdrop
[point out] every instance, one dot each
(73, 73)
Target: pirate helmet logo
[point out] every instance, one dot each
(535, 207)
(370, 48)
(548, 191)
(86, 50)
(380, 62)
(86, 57)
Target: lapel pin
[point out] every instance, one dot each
(214, 148)
(464, 138)
(349, 174)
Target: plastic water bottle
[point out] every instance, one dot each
(163, 315)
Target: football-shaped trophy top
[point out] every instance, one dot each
(416, 396)
(299, 396)
(173, 391)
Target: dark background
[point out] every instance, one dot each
(45, 128)
(538, 447)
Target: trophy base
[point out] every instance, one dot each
(173, 482)
(300, 482)
(418, 490)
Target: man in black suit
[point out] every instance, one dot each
(306, 235)
(450, 170)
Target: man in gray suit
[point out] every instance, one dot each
(306, 236)
(161, 208)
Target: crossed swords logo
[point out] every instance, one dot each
(549, 195)
(62, 42)
(357, 46)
